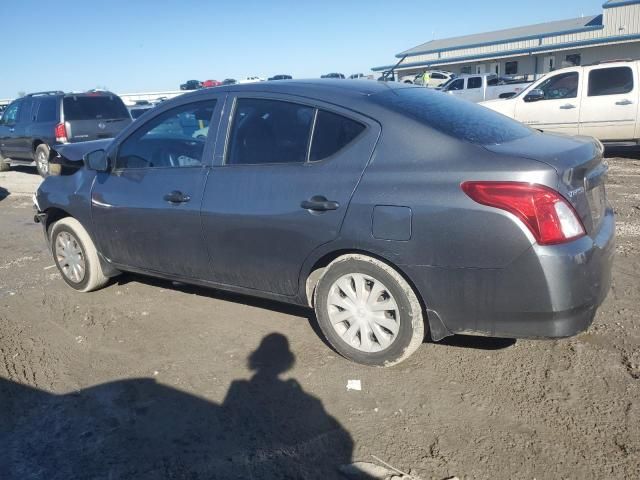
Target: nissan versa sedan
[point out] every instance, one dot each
(392, 210)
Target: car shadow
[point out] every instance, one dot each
(477, 342)
(630, 154)
(266, 428)
(4, 193)
(238, 298)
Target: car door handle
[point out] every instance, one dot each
(319, 203)
(624, 102)
(568, 106)
(176, 197)
(12, 129)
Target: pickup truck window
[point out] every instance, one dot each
(564, 85)
(456, 84)
(474, 82)
(610, 81)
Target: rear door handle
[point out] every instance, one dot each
(176, 197)
(12, 129)
(319, 203)
(568, 106)
(624, 102)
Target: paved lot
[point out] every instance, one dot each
(147, 379)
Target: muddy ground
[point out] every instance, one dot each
(148, 379)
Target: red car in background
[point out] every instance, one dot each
(211, 83)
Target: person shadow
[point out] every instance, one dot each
(266, 428)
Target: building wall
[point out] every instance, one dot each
(622, 20)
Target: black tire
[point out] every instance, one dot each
(41, 157)
(93, 278)
(412, 327)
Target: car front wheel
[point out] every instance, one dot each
(368, 312)
(76, 256)
(4, 165)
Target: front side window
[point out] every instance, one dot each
(173, 139)
(474, 82)
(331, 134)
(610, 81)
(10, 116)
(564, 85)
(457, 85)
(269, 131)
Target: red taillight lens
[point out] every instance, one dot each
(61, 133)
(548, 215)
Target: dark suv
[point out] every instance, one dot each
(31, 125)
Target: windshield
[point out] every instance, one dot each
(453, 116)
(92, 108)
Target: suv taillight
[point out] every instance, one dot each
(551, 219)
(61, 133)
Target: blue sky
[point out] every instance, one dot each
(145, 45)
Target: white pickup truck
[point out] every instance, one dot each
(482, 87)
(598, 100)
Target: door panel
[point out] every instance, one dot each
(10, 131)
(257, 231)
(610, 104)
(146, 212)
(560, 110)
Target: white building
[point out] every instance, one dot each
(533, 49)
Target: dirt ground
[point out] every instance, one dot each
(147, 379)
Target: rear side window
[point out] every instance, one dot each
(331, 134)
(610, 81)
(25, 110)
(454, 117)
(474, 82)
(47, 110)
(269, 131)
(94, 107)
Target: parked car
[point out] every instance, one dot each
(2, 108)
(251, 80)
(333, 75)
(139, 108)
(457, 219)
(191, 85)
(229, 81)
(35, 123)
(437, 78)
(281, 77)
(211, 83)
(482, 87)
(357, 76)
(598, 100)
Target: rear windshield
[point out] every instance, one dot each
(454, 117)
(91, 108)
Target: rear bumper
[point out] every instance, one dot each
(548, 292)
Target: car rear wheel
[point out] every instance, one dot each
(42, 159)
(76, 256)
(368, 312)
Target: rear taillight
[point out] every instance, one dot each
(61, 133)
(544, 211)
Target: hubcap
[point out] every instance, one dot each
(70, 257)
(42, 161)
(363, 312)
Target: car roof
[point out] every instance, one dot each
(322, 89)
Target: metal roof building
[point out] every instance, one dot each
(533, 49)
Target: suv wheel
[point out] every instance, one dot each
(42, 159)
(76, 256)
(368, 312)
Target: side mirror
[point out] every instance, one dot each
(534, 95)
(97, 160)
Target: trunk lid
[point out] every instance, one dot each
(581, 170)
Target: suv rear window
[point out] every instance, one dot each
(454, 117)
(91, 108)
